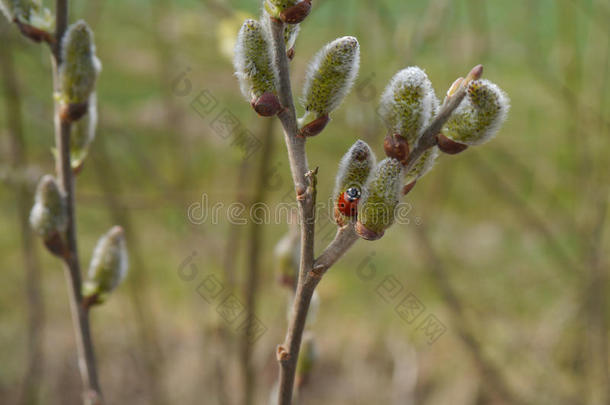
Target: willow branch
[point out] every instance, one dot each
(344, 239)
(304, 182)
(80, 317)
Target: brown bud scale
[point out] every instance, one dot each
(296, 13)
(267, 105)
(55, 244)
(33, 33)
(408, 187)
(73, 112)
(397, 147)
(366, 233)
(449, 146)
(315, 127)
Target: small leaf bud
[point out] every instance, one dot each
(291, 32)
(83, 134)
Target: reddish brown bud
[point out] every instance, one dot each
(408, 187)
(397, 147)
(475, 73)
(315, 127)
(366, 233)
(449, 146)
(73, 112)
(296, 13)
(35, 34)
(267, 105)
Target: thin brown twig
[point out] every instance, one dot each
(80, 316)
(304, 182)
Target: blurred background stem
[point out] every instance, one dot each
(253, 262)
(138, 281)
(18, 160)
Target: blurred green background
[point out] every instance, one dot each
(506, 246)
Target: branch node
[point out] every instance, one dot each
(282, 354)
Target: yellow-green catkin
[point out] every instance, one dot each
(108, 265)
(80, 66)
(407, 104)
(253, 61)
(287, 257)
(30, 12)
(49, 215)
(83, 133)
(423, 165)
(379, 201)
(479, 116)
(330, 76)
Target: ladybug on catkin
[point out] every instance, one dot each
(354, 171)
(347, 203)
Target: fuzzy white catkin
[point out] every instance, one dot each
(423, 166)
(109, 263)
(408, 103)
(253, 60)
(80, 66)
(330, 75)
(480, 116)
(49, 214)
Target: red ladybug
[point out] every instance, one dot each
(347, 203)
